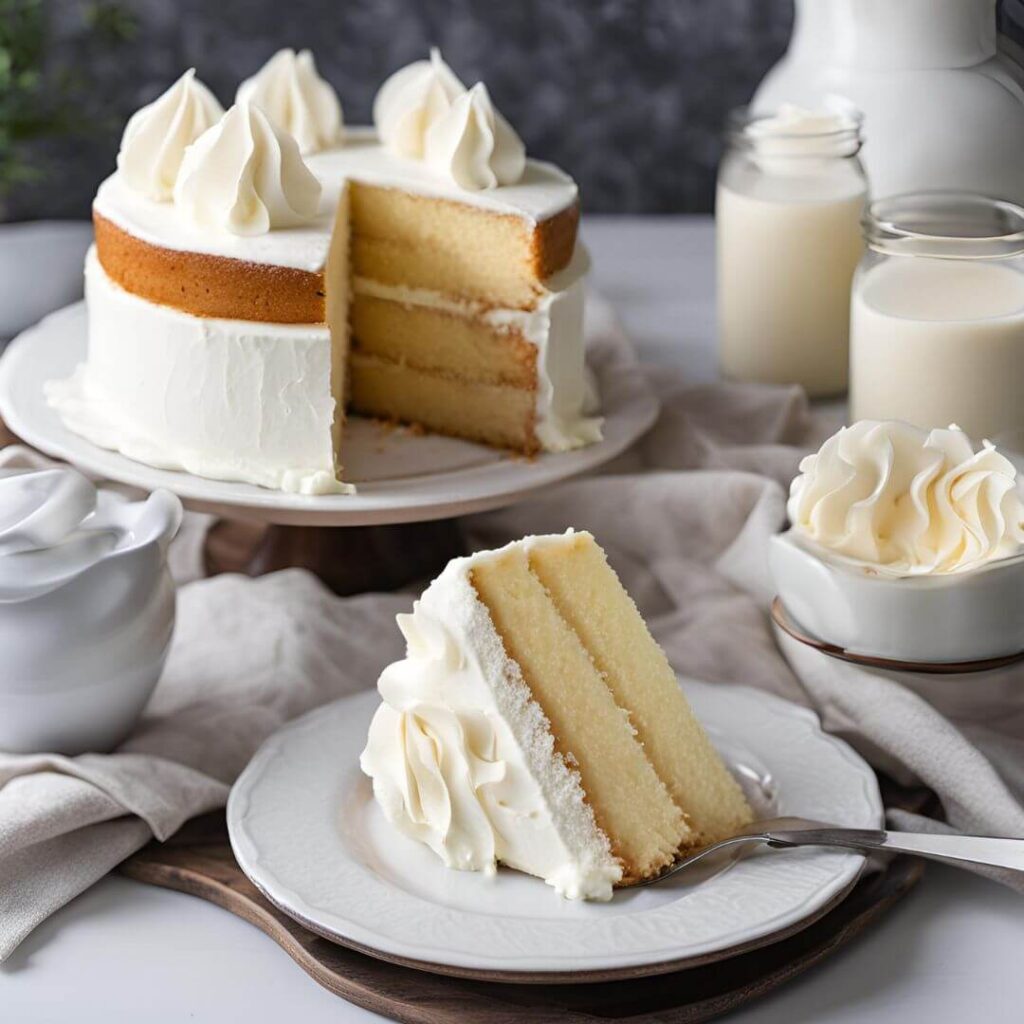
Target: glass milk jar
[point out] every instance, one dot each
(791, 194)
(937, 320)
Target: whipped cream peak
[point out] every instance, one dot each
(246, 176)
(55, 525)
(474, 145)
(156, 136)
(902, 501)
(411, 100)
(462, 758)
(290, 91)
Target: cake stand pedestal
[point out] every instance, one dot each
(349, 561)
(397, 528)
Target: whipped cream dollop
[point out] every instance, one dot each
(289, 90)
(411, 100)
(246, 176)
(902, 501)
(55, 525)
(156, 137)
(462, 759)
(474, 145)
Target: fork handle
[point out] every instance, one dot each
(956, 849)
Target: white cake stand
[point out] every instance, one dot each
(401, 478)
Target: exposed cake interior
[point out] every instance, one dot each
(337, 303)
(455, 248)
(451, 314)
(591, 599)
(630, 803)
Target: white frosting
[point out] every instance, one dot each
(542, 192)
(291, 93)
(156, 137)
(474, 145)
(226, 399)
(902, 501)
(55, 525)
(411, 100)
(245, 176)
(564, 410)
(462, 757)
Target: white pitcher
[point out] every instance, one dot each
(943, 101)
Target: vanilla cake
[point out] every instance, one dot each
(257, 271)
(534, 722)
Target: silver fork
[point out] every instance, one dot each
(788, 833)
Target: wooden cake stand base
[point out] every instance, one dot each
(349, 559)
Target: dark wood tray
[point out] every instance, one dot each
(199, 861)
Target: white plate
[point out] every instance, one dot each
(306, 830)
(400, 477)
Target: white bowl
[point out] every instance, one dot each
(955, 617)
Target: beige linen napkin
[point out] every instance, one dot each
(685, 517)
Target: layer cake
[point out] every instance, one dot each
(285, 280)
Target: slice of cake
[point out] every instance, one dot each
(534, 722)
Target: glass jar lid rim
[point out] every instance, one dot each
(740, 119)
(899, 223)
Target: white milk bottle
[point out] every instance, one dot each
(791, 193)
(937, 320)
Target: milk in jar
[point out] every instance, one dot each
(791, 194)
(937, 325)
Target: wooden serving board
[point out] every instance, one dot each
(199, 861)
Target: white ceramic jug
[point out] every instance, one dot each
(943, 107)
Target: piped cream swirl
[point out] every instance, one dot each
(474, 145)
(246, 176)
(289, 90)
(903, 501)
(156, 137)
(411, 100)
(462, 759)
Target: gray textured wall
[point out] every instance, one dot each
(628, 95)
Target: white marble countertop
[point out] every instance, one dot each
(124, 951)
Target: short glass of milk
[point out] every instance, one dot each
(791, 194)
(937, 318)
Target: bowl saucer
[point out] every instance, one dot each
(785, 622)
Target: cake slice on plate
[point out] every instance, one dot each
(534, 722)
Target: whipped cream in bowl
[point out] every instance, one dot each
(86, 609)
(905, 544)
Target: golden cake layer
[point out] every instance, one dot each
(495, 414)
(206, 285)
